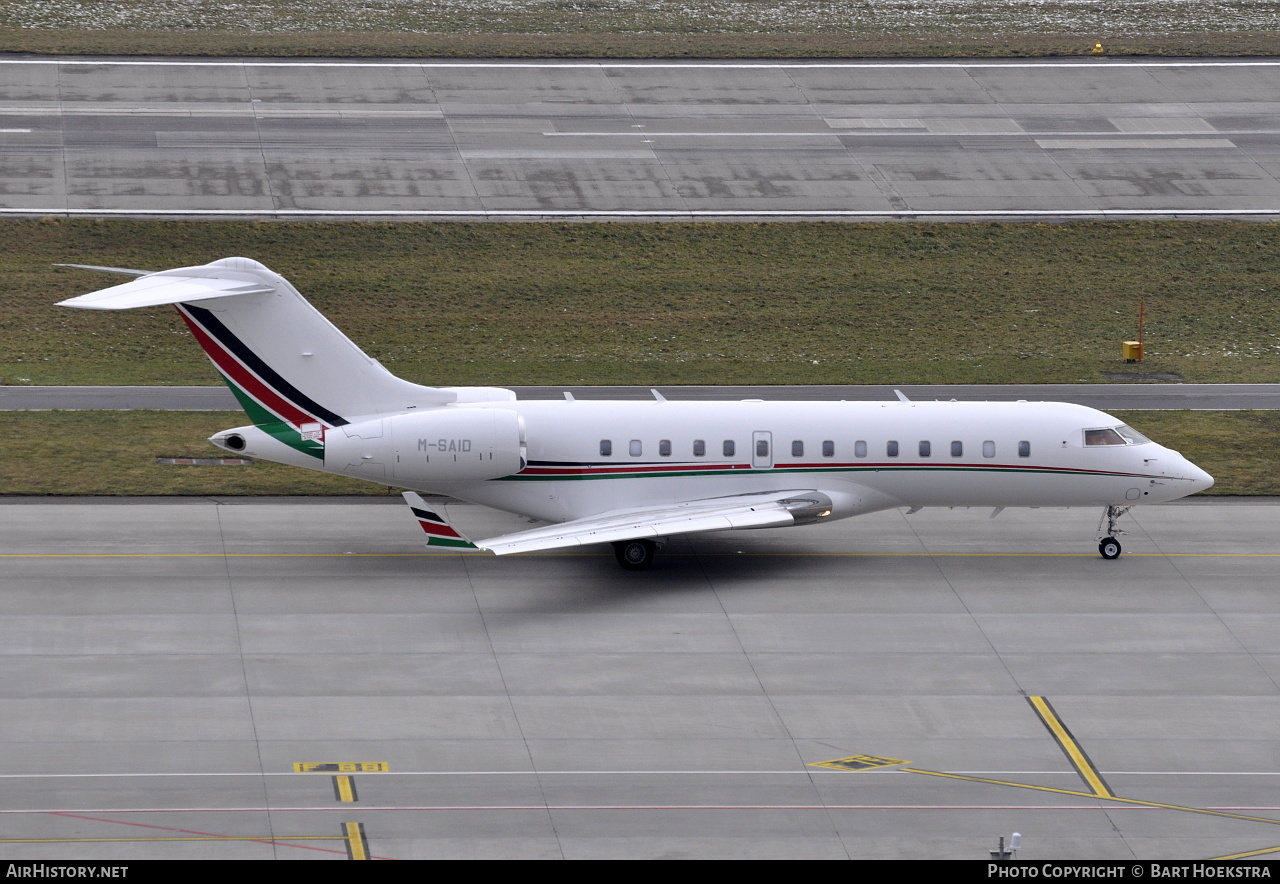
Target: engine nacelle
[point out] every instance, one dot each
(431, 447)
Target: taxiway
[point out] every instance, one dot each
(169, 665)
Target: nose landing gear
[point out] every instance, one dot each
(1108, 546)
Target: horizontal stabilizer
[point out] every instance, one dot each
(438, 531)
(169, 287)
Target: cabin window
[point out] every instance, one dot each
(957, 449)
(828, 448)
(699, 448)
(606, 448)
(762, 448)
(797, 448)
(635, 448)
(988, 449)
(891, 449)
(1024, 449)
(728, 448)
(664, 448)
(860, 448)
(926, 449)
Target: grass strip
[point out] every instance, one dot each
(690, 303)
(956, 43)
(639, 29)
(114, 454)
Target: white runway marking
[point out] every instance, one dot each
(1132, 143)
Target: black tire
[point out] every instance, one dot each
(635, 555)
(1109, 548)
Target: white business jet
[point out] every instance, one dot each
(632, 473)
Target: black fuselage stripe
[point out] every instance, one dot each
(254, 363)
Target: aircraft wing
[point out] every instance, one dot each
(770, 509)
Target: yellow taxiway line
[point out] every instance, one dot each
(1074, 753)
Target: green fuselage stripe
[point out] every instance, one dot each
(271, 424)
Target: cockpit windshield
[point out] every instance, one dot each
(1131, 436)
(1122, 435)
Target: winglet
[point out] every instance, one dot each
(438, 531)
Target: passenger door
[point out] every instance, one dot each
(762, 450)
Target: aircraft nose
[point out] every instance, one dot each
(1200, 480)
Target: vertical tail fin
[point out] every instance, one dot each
(276, 351)
(293, 371)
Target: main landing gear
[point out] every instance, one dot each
(1108, 546)
(635, 555)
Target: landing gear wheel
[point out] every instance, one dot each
(1109, 548)
(635, 555)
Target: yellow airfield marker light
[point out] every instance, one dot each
(1132, 350)
(1097, 49)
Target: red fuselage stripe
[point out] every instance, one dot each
(248, 382)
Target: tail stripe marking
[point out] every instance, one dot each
(434, 525)
(246, 383)
(438, 531)
(304, 408)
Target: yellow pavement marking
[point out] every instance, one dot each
(341, 767)
(938, 773)
(1250, 853)
(344, 788)
(856, 763)
(1100, 790)
(263, 838)
(1131, 801)
(1197, 810)
(1201, 810)
(357, 845)
(1074, 753)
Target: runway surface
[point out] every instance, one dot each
(1198, 397)
(436, 139)
(167, 664)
